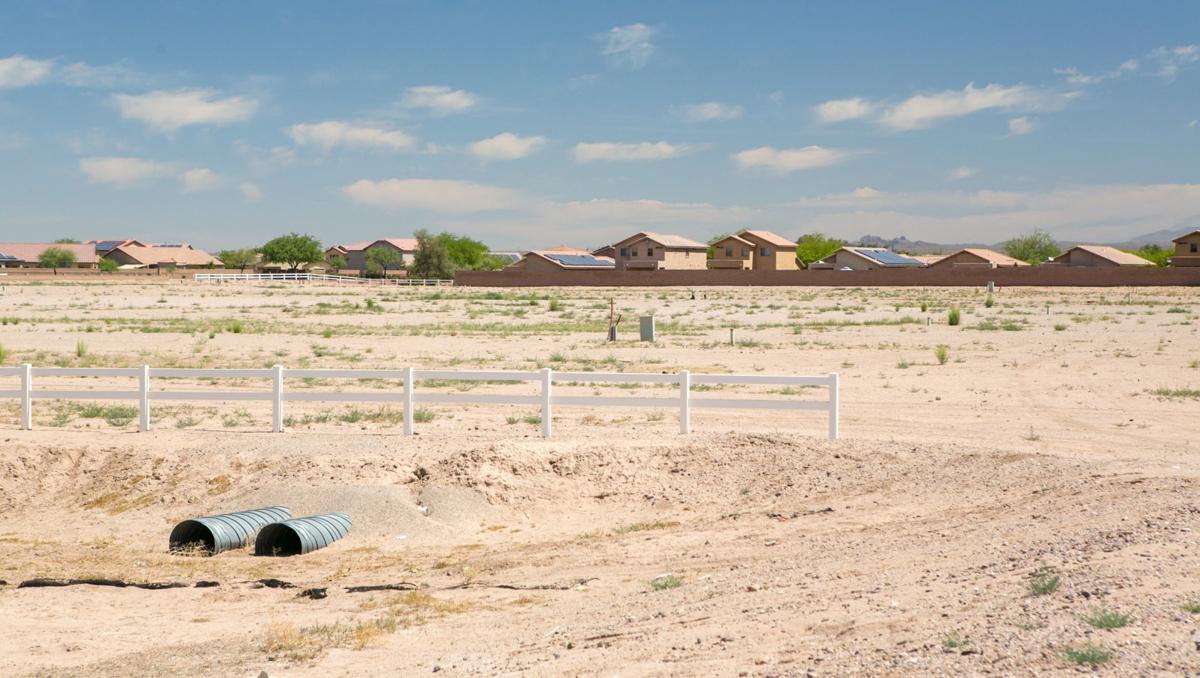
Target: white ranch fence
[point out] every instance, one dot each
(319, 277)
(547, 399)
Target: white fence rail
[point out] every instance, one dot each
(319, 277)
(546, 398)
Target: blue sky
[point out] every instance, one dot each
(529, 124)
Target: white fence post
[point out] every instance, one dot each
(547, 409)
(685, 402)
(835, 404)
(409, 387)
(277, 399)
(144, 399)
(27, 397)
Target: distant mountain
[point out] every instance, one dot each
(1160, 237)
(903, 244)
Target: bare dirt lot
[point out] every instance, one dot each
(1017, 494)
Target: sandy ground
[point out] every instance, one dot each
(1059, 437)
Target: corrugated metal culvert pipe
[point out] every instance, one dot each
(298, 536)
(214, 534)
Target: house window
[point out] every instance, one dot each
(649, 251)
(624, 251)
(729, 251)
(745, 252)
(764, 252)
(1195, 247)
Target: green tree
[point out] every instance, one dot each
(66, 241)
(337, 262)
(238, 259)
(469, 254)
(1033, 248)
(814, 247)
(108, 266)
(294, 250)
(1155, 253)
(432, 258)
(56, 258)
(380, 258)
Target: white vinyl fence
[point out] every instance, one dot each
(546, 398)
(319, 277)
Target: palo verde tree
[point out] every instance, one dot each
(238, 259)
(1033, 248)
(108, 266)
(379, 259)
(814, 247)
(56, 258)
(293, 249)
(432, 258)
(469, 254)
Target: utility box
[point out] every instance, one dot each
(646, 324)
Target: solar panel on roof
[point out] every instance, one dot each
(579, 260)
(886, 257)
(7, 257)
(108, 245)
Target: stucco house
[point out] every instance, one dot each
(1098, 256)
(560, 259)
(853, 258)
(648, 251)
(1187, 250)
(754, 250)
(25, 255)
(355, 253)
(976, 257)
(137, 255)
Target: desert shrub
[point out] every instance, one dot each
(954, 317)
(1044, 581)
(1107, 619)
(665, 581)
(423, 415)
(942, 353)
(1090, 654)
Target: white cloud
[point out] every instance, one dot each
(1020, 126)
(960, 173)
(10, 141)
(712, 110)
(21, 71)
(122, 172)
(80, 74)
(1192, 124)
(332, 133)
(628, 45)
(434, 195)
(1171, 60)
(507, 146)
(839, 110)
(169, 110)
(197, 180)
(924, 110)
(790, 159)
(251, 192)
(1074, 76)
(439, 99)
(1098, 212)
(590, 152)
(776, 97)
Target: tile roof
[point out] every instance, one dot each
(665, 239)
(993, 256)
(29, 252)
(884, 256)
(1111, 253)
(769, 238)
(150, 255)
(1187, 235)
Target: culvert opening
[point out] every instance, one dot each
(191, 536)
(278, 540)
